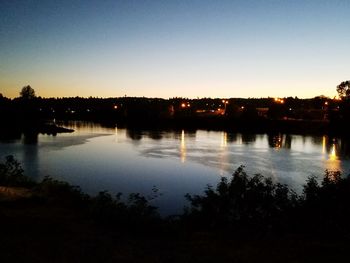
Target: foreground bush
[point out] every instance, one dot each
(256, 204)
(12, 174)
(242, 201)
(103, 208)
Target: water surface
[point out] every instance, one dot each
(176, 162)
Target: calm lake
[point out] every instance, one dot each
(175, 162)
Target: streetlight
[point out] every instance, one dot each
(225, 102)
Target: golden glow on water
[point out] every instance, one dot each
(324, 144)
(333, 163)
(333, 154)
(223, 139)
(183, 147)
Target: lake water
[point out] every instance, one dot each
(175, 162)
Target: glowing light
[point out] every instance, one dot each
(183, 105)
(326, 103)
(278, 100)
(115, 107)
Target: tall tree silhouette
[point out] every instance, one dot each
(343, 89)
(27, 93)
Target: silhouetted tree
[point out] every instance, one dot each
(27, 93)
(343, 89)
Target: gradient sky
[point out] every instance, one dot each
(173, 48)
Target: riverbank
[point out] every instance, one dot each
(243, 219)
(14, 130)
(34, 232)
(37, 231)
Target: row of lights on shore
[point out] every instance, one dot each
(278, 100)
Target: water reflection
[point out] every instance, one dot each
(333, 153)
(177, 161)
(135, 135)
(30, 138)
(248, 138)
(231, 137)
(324, 144)
(275, 140)
(30, 160)
(223, 156)
(333, 157)
(183, 147)
(288, 141)
(278, 141)
(155, 135)
(223, 139)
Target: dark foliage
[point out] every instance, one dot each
(103, 208)
(248, 202)
(256, 204)
(12, 174)
(136, 212)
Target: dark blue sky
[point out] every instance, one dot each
(174, 48)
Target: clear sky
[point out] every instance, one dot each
(204, 48)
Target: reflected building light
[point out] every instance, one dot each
(223, 156)
(183, 147)
(239, 140)
(333, 161)
(324, 144)
(223, 139)
(333, 153)
(277, 141)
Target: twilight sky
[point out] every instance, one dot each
(188, 48)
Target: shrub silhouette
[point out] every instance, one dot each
(325, 206)
(258, 205)
(242, 201)
(58, 192)
(102, 208)
(12, 174)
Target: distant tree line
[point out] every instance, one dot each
(29, 108)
